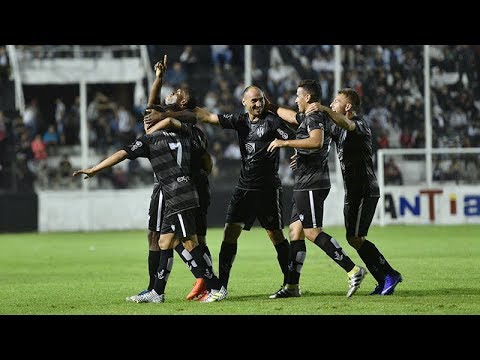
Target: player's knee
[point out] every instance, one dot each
(276, 236)
(355, 241)
(311, 234)
(153, 238)
(295, 230)
(202, 239)
(232, 232)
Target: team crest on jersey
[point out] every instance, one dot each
(136, 145)
(250, 147)
(260, 131)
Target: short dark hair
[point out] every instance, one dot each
(312, 87)
(191, 96)
(353, 97)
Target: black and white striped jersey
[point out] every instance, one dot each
(169, 153)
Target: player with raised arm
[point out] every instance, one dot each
(353, 138)
(312, 185)
(201, 166)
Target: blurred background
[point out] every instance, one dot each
(66, 107)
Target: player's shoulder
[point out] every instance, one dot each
(360, 121)
(316, 117)
(271, 117)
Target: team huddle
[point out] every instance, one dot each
(178, 153)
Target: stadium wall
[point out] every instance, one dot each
(18, 212)
(128, 209)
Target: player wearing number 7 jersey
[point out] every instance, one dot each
(169, 153)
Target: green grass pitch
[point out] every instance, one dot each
(92, 273)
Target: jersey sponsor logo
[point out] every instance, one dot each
(283, 134)
(250, 147)
(184, 178)
(136, 145)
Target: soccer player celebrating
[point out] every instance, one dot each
(201, 166)
(353, 138)
(312, 185)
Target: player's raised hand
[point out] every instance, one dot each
(89, 172)
(161, 66)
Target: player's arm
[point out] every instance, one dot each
(154, 116)
(339, 119)
(112, 160)
(154, 96)
(287, 115)
(207, 162)
(167, 123)
(314, 141)
(206, 116)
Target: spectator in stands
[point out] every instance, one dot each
(24, 177)
(438, 173)
(119, 178)
(455, 171)
(64, 172)
(221, 57)
(31, 116)
(39, 148)
(176, 75)
(51, 139)
(4, 66)
(126, 123)
(60, 115)
(393, 175)
(189, 60)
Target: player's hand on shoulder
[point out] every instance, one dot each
(313, 107)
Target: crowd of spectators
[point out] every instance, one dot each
(389, 78)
